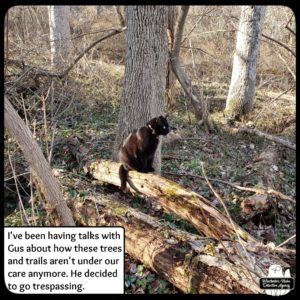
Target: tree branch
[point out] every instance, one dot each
(289, 28)
(43, 72)
(35, 158)
(280, 43)
(116, 31)
(273, 40)
(177, 69)
(179, 30)
(260, 191)
(269, 137)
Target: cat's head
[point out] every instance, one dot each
(159, 125)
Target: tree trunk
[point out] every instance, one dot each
(190, 262)
(41, 168)
(185, 82)
(242, 87)
(188, 205)
(145, 72)
(60, 35)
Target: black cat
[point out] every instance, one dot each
(137, 152)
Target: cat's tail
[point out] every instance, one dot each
(123, 174)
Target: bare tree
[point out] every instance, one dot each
(145, 71)
(199, 106)
(41, 168)
(242, 87)
(60, 35)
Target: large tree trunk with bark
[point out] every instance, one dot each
(55, 203)
(60, 35)
(145, 72)
(242, 87)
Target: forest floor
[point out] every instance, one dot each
(227, 155)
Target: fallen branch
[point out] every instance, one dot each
(191, 263)
(170, 157)
(245, 253)
(286, 241)
(187, 204)
(268, 136)
(260, 191)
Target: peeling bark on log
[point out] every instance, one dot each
(192, 263)
(263, 164)
(187, 204)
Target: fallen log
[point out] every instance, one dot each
(191, 263)
(185, 203)
(270, 137)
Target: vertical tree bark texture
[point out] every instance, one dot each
(145, 71)
(35, 158)
(242, 87)
(60, 35)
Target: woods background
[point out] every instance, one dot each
(71, 107)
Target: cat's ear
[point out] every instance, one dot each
(163, 117)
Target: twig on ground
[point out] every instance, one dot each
(169, 157)
(242, 188)
(285, 242)
(19, 175)
(270, 137)
(230, 220)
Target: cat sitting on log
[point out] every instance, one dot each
(138, 150)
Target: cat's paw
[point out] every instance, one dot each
(150, 169)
